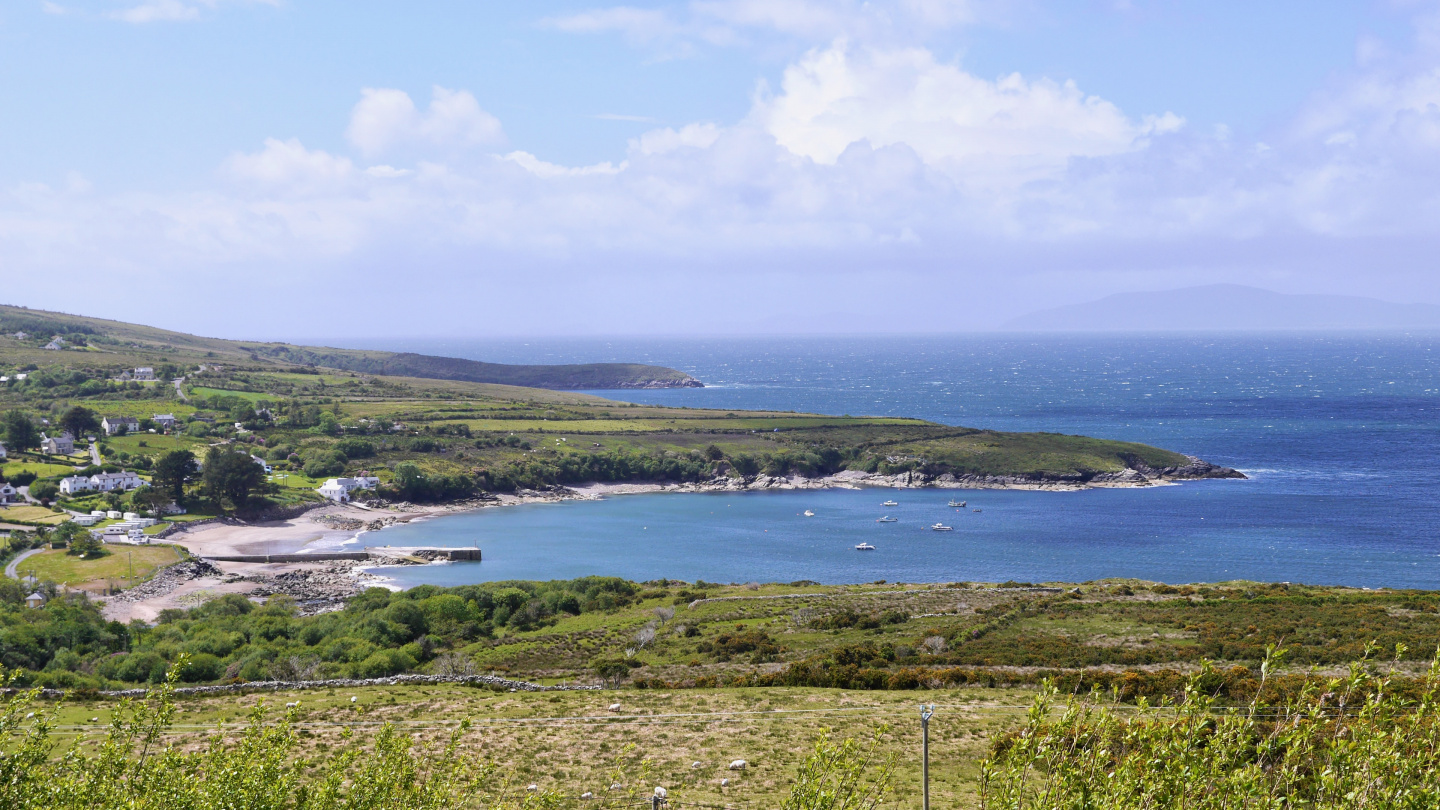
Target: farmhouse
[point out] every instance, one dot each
(8, 493)
(62, 445)
(115, 424)
(74, 484)
(144, 374)
(56, 344)
(339, 489)
(165, 421)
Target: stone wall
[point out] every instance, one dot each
(335, 683)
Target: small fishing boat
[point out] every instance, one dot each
(890, 503)
(974, 510)
(957, 504)
(808, 513)
(941, 527)
(888, 519)
(864, 547)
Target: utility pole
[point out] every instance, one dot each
(926, 712)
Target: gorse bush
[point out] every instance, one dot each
(1349, 742)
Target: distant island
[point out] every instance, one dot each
(1227, 307)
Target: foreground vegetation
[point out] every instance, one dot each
(1140, 638)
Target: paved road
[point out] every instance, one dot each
(95, 453)
(181, 391)
(10, 569)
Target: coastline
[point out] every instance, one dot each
(325, 584)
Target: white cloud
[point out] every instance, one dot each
(842, 95)
(540, 168)
(386, 119)
(288, 167)
(164, 10)
(158, 11)
(660, 141)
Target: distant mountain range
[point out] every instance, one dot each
(1222, 307)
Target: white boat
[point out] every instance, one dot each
(890, 503)
(957, 504)
(974, 510)
(888, 519)
(864, 547)
(808, 513)
(941, 527)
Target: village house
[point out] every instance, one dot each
(339, 489)
(21, 335)
(164, 421)
(56, 344)
(74, 484)
(62, 445)
(8, 494)
(35, 600)
(144, 374)
(110, 482)
(114, 424)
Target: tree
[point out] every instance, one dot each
(79, 420)
(231, 475)
(20, 432)
(173, 471)
(149, 499)
(44, 490)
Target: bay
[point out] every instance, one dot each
(1336, 431)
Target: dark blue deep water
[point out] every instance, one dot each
(1338, 433)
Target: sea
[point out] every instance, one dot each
(1337, 433)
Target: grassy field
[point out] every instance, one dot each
(116, 566)
(570, 742)
(34, 514)
(40, 468)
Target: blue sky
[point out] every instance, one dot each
(709, 166)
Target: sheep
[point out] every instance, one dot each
(353, 698)
(533, 787)
(695, 765)
(739, 765)
(615, 786)
(724, 783)
(661, 793)
(587, 795)
(292, 704)
(614, 707)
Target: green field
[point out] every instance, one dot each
(32, 514)
(118, 565)
(40, 468)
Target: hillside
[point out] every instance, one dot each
(1234, 307)
(126, 344)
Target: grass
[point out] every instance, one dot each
(33, 514)
(40, 468)
(203, 391)
(58, 566)
(570, 741)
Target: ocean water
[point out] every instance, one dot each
(1338, 434)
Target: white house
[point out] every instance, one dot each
(62, 445)
(166, 421)
(263, 464)
(74, 484)
(110, 482)
(339, 489)
(144, 374)
(8, 494)
(21, 335)
(56, 345)
(113, 424)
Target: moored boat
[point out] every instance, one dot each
(864, 547)
(956, 504)
(890, 503)
(888, 519)
(941, 527)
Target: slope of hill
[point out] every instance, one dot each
(130, 344)
(1228, 307)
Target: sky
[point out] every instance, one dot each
(302, 169)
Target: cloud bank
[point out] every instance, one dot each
(870, 167)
